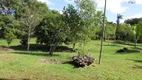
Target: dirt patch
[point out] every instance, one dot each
(49, 61)
(3, 48)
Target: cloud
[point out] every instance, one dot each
(135, 16)
(114, 6)
(46, 1)
(138, 1)
(60, 11)
(139, 15)
(69, 1)
(98, 9)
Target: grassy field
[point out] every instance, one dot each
(29, 65)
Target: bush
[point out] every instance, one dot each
(122, 50)
(83, 60)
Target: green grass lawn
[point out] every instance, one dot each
(28, 65)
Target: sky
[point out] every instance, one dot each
(114, 7)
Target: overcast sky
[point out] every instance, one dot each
(114, 7)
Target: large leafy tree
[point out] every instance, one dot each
(137, 32)
(9, 27)
(110, 31)
(52, 30)
(74, 23)
(125, 32)
(32, 13)
(87, 11)
(98, 23)
(132, 21)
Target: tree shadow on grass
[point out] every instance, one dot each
(112, 45)
(122, 42)
(139, 61)
(71, 63)
(33, 47)
(44, 48)
(127, 51)
(12, 79)
(137, 48)
(137, 67)
(34, 53)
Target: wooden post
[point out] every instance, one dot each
(102, 38)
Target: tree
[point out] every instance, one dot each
(99, 18)
(74, 22)
(138, 32)
(132, 21)
(87, 11)
(9, 28)
(52, 30)
(34, 12)
(2, 27)
(125, 32)
(110, 31)
(9, 36)
(119, 16)
(98, 25)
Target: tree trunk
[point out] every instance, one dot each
(74, 46)
(101, 48)
(53, 47)
(51, 51)
(29, 36)
(116, 33)
(135, 43)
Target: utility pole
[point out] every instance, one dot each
(102, 38)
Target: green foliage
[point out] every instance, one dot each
(2, 23)
(87, 11)
(133, 21)
(110, 30)
(124, 32)
(30, 13)
(24, 40)
(9, 28)
(82, 51)
(74, 22)
(52, 30)
(99, 18)
(137, 32)
(9, 36)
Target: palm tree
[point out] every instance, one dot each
(131, 2)
(119, 16)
